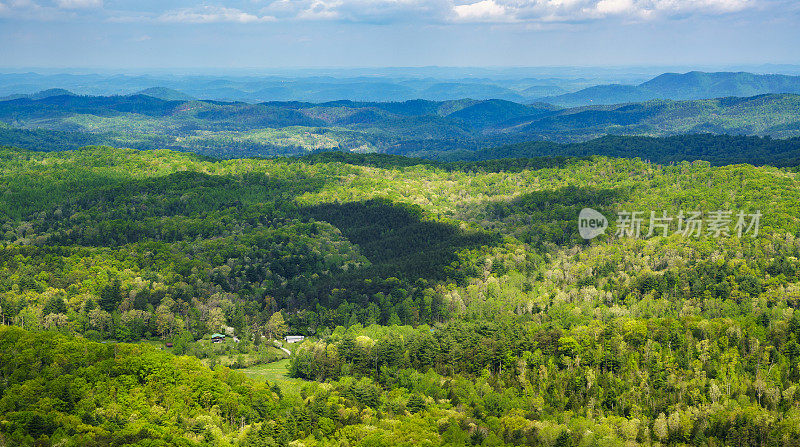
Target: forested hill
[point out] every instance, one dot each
(300, 233)
(60, 390)
(413, 128)
(681, 86)
(717, 149)
(445, 305)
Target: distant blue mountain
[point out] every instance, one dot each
(686, 86)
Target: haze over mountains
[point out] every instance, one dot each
(692, 85)
(318, 87)
(566, 88)
(465, 128)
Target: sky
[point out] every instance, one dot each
(153, 34)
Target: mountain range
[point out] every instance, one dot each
(675, 86)
(570, 90)
(413, 128)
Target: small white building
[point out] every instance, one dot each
(294, 338)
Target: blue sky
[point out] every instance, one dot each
(368, 33)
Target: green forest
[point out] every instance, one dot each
(444, 302)
(452, 130)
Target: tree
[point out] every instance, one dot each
(55, 305)
(564, 439)
(216, 319)
(661, 428)
(110, 296)
(415, 403)
(165, 321)
(257, 338)
(276, 326)
(100, 320)
(181, 344)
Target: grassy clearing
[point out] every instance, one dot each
(275, 372)
(267, 354)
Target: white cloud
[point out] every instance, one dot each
(702, 5)
(364, 11)
(30, 10)
(486, 10)
(543, 11)
(614, 6)
(318, 9)
(212, 14)
(79, 4)
(497, 11)
(525, 12)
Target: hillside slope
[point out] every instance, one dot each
(774, 115)
(686, 86)
(416, 128)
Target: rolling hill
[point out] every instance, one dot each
(777, 115)
(716, 149)
(166, 94)
(39, 95)
(686, 86)
(416, 127)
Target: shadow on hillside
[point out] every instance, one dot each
(512, 165)
(398, 241)
(551, 217)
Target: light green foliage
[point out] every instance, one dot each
(445, 304)
(69, 391)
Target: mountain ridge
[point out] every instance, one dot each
(413, 128)
(682, 86)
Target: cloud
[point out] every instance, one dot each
(648, 9)
(30, 10)
(362, 11)
(614, 6)
(547, 11)
(526, 12)
(486, 10)
(211, 14)
(79, 4)
(307, 9)
(496, 11)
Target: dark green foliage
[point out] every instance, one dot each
(387, 161)
(719, 150)
(415, 403)
(110, 296)
(55, 305)
(555, 213)
(397, 240)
